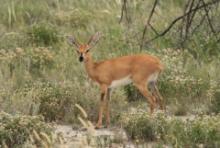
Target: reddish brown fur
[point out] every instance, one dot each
(138, 67)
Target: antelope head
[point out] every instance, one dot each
(83, 49)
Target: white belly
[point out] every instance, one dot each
(153, 77)
(121, 82)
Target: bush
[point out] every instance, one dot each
(141, 128)
(16, 130)
(177, 80)
(133, 93)
(43, 34)
(57, 101)
(41, 58)
(205, 130)
(176, 131)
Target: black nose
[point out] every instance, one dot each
(80, 58)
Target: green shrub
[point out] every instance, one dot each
(16, 130)
(141, 128)
(176, 131)
(55, 102)
(43, 34)
(41, 58)
(133, 93)
(205, 130)
(178, 81)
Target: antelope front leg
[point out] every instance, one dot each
(101, 106)
(107, 107)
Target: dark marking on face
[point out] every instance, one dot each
(81, 58)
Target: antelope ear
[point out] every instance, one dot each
(72, 41)
(94, 39)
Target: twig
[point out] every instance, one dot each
(124, 10)
(192, 32)
(148, 23)
(183, 20)
(189, 21)
(208, 18)
(165, 31)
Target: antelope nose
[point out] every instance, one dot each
(81, 58)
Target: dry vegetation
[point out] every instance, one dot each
(42, 80)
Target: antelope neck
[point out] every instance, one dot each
(89, 65)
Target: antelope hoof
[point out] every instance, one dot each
(98, 126)
(107, 126)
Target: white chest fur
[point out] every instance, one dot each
(124, 81)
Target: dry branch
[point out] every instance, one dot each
(124, 11)
(208, 18)
(148, 24)
(190, 13)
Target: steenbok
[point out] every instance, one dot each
(141, 70)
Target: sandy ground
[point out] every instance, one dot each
(113, 138)
(102, 138)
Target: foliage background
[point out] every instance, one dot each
(40, 73)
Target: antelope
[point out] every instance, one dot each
(141, 70)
